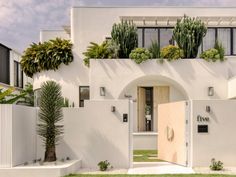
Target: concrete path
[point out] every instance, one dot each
(158, 168)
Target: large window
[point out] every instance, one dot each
(18, 75)
(4, 64)
(83, 95)
(163, 35)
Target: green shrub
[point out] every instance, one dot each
(103, 165)
(125, 35)
(46, 56)
(216, 165)
(113, 49)
(155, 49)
(7, 96)
(189, 33)
(210, 55)
(221, 50)
(28, 95)
(95, 51)
(171, 52)
(140, 55)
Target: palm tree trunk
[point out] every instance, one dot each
(50, 154)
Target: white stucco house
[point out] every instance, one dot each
(191, 101)
(11, 74)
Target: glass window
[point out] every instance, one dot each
(223, 36)
(234, 41)
(166, 37)
(151, 34)
(83, 95)
(37, 97)
(140, 37)
(4, 65)
(209, 40)
(18, 75)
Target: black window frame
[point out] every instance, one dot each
(6, 80)
(232, 52)
(81, 101)
(17, 73)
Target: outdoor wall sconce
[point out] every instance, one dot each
(102, 91)
(113, 109)
(208, 109)
(210, 91)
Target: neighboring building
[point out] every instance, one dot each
(150, 83)
(11, 73)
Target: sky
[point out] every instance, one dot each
(21, 20)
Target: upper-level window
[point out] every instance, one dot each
(163, 35)
(18, 75)
(4, 64)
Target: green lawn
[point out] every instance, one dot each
(190, 175)
(145, 156)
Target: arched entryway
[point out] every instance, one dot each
(147, 92)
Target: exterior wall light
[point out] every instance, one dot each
(113, 109)
(208, 109)
(210, 91)
(102, 91)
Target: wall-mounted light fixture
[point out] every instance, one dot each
(102, 91)
(210, 91)
(208, 109)
(113, 109)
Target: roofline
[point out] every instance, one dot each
(205, 7)
(5, 46)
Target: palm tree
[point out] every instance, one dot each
(50, 115)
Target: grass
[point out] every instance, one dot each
(120, 175)
(145, 156)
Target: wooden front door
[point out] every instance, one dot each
(141, 109)
(161, 94)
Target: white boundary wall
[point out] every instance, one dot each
(219, 142)
(92, 133)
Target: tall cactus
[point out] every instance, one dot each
(126, 36)
(189, 33)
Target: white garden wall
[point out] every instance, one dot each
(17, 134)
(219, 142)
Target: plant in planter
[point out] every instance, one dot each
(140, 55)
(125, 35)
(155, 49)
(189, 33)
(104, 165)
(171, 52)
(46, 56)
(50, 115)
(28, 95)
(216, 165)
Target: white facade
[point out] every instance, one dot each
(187, 79)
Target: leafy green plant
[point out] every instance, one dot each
(189, 33)
(155, 49)
(28, 95)
(46, 56)
(113, 49)
(96, 51)
(125, 35)
(140, 55)
(216, 165)
(104, 165)
(210, 55)
(221, 50)
(7, 96)
(171, 52)
(50, 115)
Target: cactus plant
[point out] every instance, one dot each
(125, 35)
(189, 33)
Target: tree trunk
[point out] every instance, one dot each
(50, 154)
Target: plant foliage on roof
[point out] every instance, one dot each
(189, 33)
(126, 36)
(46, 56)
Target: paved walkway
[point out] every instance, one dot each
(158, 168)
